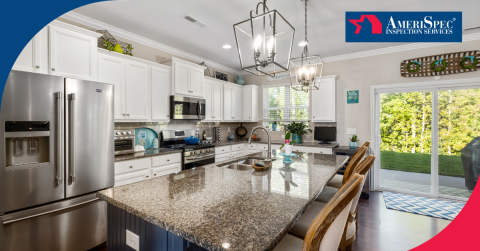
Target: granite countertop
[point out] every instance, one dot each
(146, 154)
(275, 142)
(213, 205)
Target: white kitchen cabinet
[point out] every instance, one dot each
(132, 177)
(34, 56)
(132, 165)
(232, 102)
(237, 154)
(187, 78)
(222, 157)
(166, 159)
(213, 95)
(72, 51)
(222, 150)
(111, 70)
(160, 94)
(312, 149)
(165, 170)
(137, 91)
(250, 103)
(323, 100)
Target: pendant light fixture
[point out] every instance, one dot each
(264, 40)
(304, 69)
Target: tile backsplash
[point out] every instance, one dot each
(208, 127)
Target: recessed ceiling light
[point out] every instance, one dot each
(227, 46)
(303, 43)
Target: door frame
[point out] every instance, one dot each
(434, 86)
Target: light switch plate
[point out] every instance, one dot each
(283, 136)
(133, 241)
(351, 130)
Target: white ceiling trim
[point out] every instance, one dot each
(394, 49)
(72, 16)
(134, 37)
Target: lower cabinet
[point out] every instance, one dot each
(237, 154)
(312, 149)
(164, 170)
(132, 177)
(222, 157)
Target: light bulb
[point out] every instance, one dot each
(270, 45)
(257, 43)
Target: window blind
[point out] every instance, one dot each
(284, 104)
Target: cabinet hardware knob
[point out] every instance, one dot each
(53, 69)
(124, 114)
(155, 175)
(168, 116)
(168, 160)
(147, 176)
(38, 66)
(313, 116)
(131, 166)
(128, 114)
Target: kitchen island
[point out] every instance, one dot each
(217, 208)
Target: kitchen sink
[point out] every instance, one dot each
(240, 167)
(248, 161)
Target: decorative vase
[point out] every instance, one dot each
(239, 80)
(274, 127)
(288, 149)
(353, 145)
(296, 139)
(230, 137)
(118, 49)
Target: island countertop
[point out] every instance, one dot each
(223, 209)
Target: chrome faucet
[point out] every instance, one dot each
(269, 156)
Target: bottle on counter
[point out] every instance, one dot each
(155, 143)
(204, 135)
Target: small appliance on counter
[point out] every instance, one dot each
(193, 155)
(124, 142)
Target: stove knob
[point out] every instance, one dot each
(118, 133)
(129, 133)
(124, 133)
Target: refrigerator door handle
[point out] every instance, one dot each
(8, 220)
(59, 138)
(72, 137)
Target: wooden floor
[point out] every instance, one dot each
(384, 229)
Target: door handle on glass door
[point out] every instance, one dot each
(72, 137)
(59, 139)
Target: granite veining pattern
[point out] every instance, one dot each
(146, 154)
(275, 142)
(213, 205)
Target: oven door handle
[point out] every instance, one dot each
(202, 158)
(199, 109)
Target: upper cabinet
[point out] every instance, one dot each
(160, 93)
(112, 70)
(137, 91)
(232, 102)
(72, 51)
(323, 100)
(213, 95)
(187, 78)
(34, 57)
(250, 103)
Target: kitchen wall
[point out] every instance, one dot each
(148, 53)
(362, 73)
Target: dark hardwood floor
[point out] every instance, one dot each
(382, 229)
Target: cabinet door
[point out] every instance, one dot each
(323, 102)
(217, 92)
(111, 70)
(137, 91)
(209, 99)
(237, 103)
(72, 54)
(247, 104)
(196, 82)
(181, 78)
(228, 112)
(34, 57)
(160, 94)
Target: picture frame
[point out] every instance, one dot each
(352, 97)
(221, 76)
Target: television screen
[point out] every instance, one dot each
(325, 133)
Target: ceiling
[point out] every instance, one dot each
(163, 22)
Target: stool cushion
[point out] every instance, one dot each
(327, 194)
(289, 243)
(336, 181)
(302, 225)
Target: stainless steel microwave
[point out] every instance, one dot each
(186, 108)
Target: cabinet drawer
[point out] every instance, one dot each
(132, 165)
(262, 147)
(166, 159)
(312, 149)
(252, 146)
(222, 157)
(132, 177)
(168, 169)
(237, 154)
(222, 150)
(238, 147)
(252, 151)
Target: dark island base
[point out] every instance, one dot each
(151, 237)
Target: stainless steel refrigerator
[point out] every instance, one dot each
(57, 151)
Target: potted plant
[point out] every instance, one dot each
(274, 125)
(353, 142)
(288, 144)
(298, 129)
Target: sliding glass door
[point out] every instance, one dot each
(428, 140)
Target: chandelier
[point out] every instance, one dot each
(304, 69)
(264, 40)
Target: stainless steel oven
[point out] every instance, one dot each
(186, 108)
(124, 142)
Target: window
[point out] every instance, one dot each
(284, 104)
